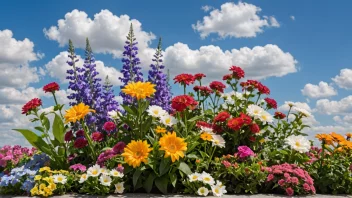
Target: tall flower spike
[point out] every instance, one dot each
(157, 77)
(131, 70)
(109, 103)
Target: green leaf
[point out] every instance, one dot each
(192, 156)
(148, 184)
(161, 183)
(35, 140)
(58, 129)
(184, 168)
(173, 179)
(128, 109)
(61, 151)
(39, 128)
(195, 118)
(164, 167)
(136, 175)
(46, 123)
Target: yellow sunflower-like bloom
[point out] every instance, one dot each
(34, 190)
(206, 136)
(337, 137)
(173, 146)
(160, 129)
(139, 90)
(136, 152)
(77, 112)
(327, 138)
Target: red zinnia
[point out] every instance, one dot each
(222, 117)
(80, 133)
(205, 91)
(180, 103)
(109, 126)
(227, 77)
(80, 142)
(203, 124)
(218, 86)
(271, 103)
(235, 123)
(51, 87)
(238, 72)
(254, 128)
(184, 79)
(119, 147)
(97, 136)
(217, 128)
(263, 89)
(246, 119)
(279, 115)
(31, 105)
(199, 76)
(68, 136)
(196, 88)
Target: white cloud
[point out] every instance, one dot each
(207, 8)
(18, 76)
(344, 80)
(311, 121)
(11, 95)
(292, 17)
(321, 90)
(258, 62)
(106, 32)
(333, 107)
(274, 22)
(234, 20)
(57, 68)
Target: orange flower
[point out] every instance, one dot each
(337, 137)
(348, 135)
(206, 136)
(326, 138)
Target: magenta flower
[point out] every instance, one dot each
(244, 151)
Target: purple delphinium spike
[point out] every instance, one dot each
(162, 96)
(109, 103)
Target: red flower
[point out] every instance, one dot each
(289, 191)
(109, 126)
(271, 103)
(184, 79)
(252, 138)
(222, 117)
(238, 73)
(216, 128)
(196, 88)
(31, 105)
(80, 133)
(80, 142)
(235, 123)
(199, 76)
(246, 119)
(263, 89)
(180, 103)
(203, 124)
(279, 115)
(205, 91)
(119, 147)
(218, 86)
(227, 77)
(68, 136)
(51, 87)
(97, 136)
(254, 128)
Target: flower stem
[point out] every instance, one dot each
(56, 104)
(90, 143)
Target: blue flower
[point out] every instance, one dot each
(27, 185)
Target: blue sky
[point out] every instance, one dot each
(310, 42)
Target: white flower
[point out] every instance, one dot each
(239, 95)
(266, 117)
(195, 177)
(206, 130)
(202, 191)
(255, 110)
(168, 120)
(156, 111)
(289, 103)
(219, 183)
(218, 190)
(105, 180)
(207, 178)
(218, 141)
(104, 171)
(94, 171)
(304, 112)
(298, 143)
(119, 188)
(114, 114)
(60, 178)
(83, 178)
(116, 173)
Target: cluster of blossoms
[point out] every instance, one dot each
(13, 155)
(47, 181)
(207, 134)
(291, 178)
(164, 117)
(110, 153)
(244, 152)
(205, 183)
(336, 141)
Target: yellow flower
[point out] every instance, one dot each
(77, 112)
(48, 179)
(337, 137)
(262, 140)
(37, 177)
(173, 146)
(139, 90)
(42, 186)
(348, 135)
(328, 139)
(46, 168)
(206, 136)
(52, 186)
(136, 152)
(34, 190)
(160, 129)
(63, 171)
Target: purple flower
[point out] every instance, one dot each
(244, 151)
(79, 167)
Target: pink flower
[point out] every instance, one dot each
(97, 136)
(80, 167)
(312, 188)
(294, 180)
(306, 187)
(244, 151)
(286, 175)
(289, 191)
(226, 163)
(109, 126)
(119, 147)
(281, 182)
(270, 177)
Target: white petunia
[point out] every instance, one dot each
(255, 110)
(116, 173)
(218, 140)
(60, 178)
(94, 171)
(168, 120)
(156, 111)
(114, 114)
(105, 180)
(83, 178)
(266, 117)
(119, 188)
(298, 143)
(202, 191)
(207, 178)
(218, 190)
(195, 177)
(304, 112)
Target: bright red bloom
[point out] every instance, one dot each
(80, 142)
(218, 86)
(279, 115)
(222, 117)
(196, 88)
(254, 128)
(263, 89)
(235, 123)
(246, 119)
(68, 136)
(184, 79)
(31, 105)
(203, 124)
(227, 77)
(238, 72)
(199, 76)
(109, 126)
(97, 136)
(180, 103)
(271, 103)
(205, 91)
(51, 87)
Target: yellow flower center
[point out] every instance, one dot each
(216, 190)
(298, 144)
(207, 179)
(59, 179)
(106, 180)
(167, 121)
(94, 172)
(172, 148)
(156, 112)
(195, 177)
(202, 190)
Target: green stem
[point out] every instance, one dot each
(56, 104)
(184, 89)
(90, 142)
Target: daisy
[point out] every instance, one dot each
(156, 111)
(195, 177)
(94, 171)
(104, 171)
(168, 120)
(218, 141)
(83, 178)
(60, 178)
(119, 188)
(202, 191)
(218, 190)
(116, 173)
(105, 180)
(114, 114)
(304, 112)
(266, 117)
(255, 110)
(206, 130)
(298, 143)
(207, 178)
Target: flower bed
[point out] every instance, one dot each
(223, 138)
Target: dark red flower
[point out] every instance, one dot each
(31, 105)
(51, 87)
(205, 91)
(263, 89)
(68, 136)
(235, 123)
(199, 76)
(119, 147)
(254, 128)
(203, 124)
(238, 72)
(246, 119)
(227, 77)
(279, 115)
(271, 103)
(109, 126)
(180, 103)
(196, 88)
(222, 117)
(97, 136)
(80, 142)
(217, 86)
(252, 138)
(217, 128)
(184, 79)
(80, 133)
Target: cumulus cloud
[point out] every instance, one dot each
(12, 96)
(234, 20)
(207, 8)
(311, 121)
(333, 107)
(259, 62)
(321, 90)
(344, 80)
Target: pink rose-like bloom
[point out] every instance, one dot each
(312, 188)
(244, 151)
(281, 182)
(97, 136)
(270, 177)
(226, 163)
(109, 126)
(294, 180)
(286, 175)
(306, 187)
(289, 191)
(77, 167)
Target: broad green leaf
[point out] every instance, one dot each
(39, 128)
(58, 129)
(46, 123)
(184, 168)
(35, 140)
(164, 167)
(162, 183)
(173, 179)
(61, 151)
(195, 118)
(136, 175)
(192, 156)
(148, 184)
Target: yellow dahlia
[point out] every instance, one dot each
(77, 112)
(173, 146)
(206, 136)
(136, 152)
(139, 90)
(160, 129)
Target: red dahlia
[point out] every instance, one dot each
(222, 117)
(254, 128)
(238, 73)
(97, 136)
(184, 79)
(235, 123)
(263, 89)
(279, 115)
(218, 86)
(246, 119)
(271, 103)
(51, 87)
(180, 103)
(199, 76)
(31, 105)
